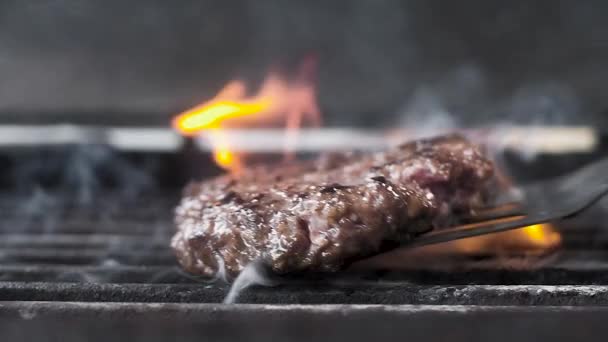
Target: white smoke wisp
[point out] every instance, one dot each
(40, 207)
(426, 113)
(84, 169)
(221, 270)
(542, 105)
(80, 172)
(442, 105)
(540, 117)
(253, 274)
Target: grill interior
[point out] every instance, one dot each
(79, 258)
(114, 248)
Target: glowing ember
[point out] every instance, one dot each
(278, 102)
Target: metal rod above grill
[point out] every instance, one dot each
(538, 139)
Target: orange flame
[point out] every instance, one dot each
(277, 102)
(536, 241)
(538, 237)
(534, 238)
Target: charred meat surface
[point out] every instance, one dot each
(322, 215)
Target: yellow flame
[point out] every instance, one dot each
(276, 102)
(210, 116)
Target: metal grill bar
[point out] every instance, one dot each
(363, 293)
(72, 321)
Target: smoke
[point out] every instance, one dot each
(441, 105)
(51, 183)
(253, 274)
(462, 98)
(552, 103)
(80, 171)
(40, 207)
(89, 166)
(426, 113)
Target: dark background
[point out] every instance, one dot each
(381, 62)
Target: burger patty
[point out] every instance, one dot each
(320, 216)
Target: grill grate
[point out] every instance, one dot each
(73, 272)
(101, 243)
(121, 254)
